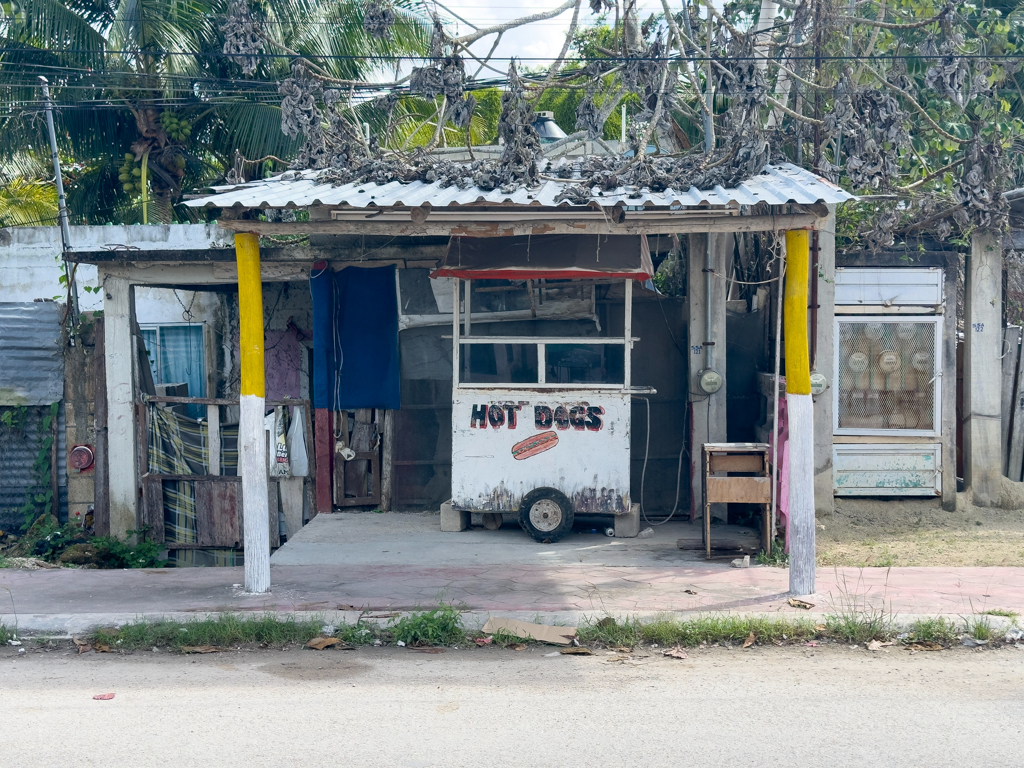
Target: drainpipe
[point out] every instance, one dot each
(709, 271)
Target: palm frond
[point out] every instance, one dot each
(27, 203)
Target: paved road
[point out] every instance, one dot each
(489, 707)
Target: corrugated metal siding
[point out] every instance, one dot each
(779, 184)
(18, 451)
(31, 353)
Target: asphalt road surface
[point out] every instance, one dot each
(778, 707)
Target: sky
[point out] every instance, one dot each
(536, 43)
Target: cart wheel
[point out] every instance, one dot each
(546, 514)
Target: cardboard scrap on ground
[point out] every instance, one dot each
(675, 653)
(319, 643)
(576, 651)
(794, 602)
(542, 633)
(924, 645)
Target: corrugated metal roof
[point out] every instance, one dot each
(31, 353)
(778, 185)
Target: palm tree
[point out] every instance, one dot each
(148, 105)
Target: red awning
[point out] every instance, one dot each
(553, 257)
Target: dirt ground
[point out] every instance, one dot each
(918, 532)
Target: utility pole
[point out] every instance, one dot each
(709, 90)
(62, 208)
(800, 411)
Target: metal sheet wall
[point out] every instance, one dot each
(31, 353)
(18, 451)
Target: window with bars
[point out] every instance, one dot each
(887, 375)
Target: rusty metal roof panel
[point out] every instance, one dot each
(777, 185)
(31, 353)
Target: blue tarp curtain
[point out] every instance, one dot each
(355, 338)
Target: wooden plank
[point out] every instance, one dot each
(356, 471)
(153, 508)
(311, 478)
(1017, 430)
(631, 225)
(218, 514)
(291, 490)
(273, 507)
(213, 438)
(216, 400)
(387, 468)
(369, 493)
(323, 451)
(742, 462)
(1011, 356)
(739, 490)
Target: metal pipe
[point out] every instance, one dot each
(62, 208)
(709, 343)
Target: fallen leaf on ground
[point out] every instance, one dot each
(202, 649)
(924, 645)
(427, 650)
(103, 697)
(622, 648)
(518, 647)
(689, 592)
(877, 645)
(482, 640)
(319, 643)
(83, 646)
(675, 653)
(800, 604)
(101, 647)
(749, 641)
(820, 627)
(576, 651)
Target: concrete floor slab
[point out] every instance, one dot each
(399, 538)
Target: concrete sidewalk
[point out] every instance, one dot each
(73, 600)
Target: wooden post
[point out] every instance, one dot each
(101, 505)
(387, 464)
(213, 439)
(122, 453)
(983, 310)
(252, 447)
(800, 409)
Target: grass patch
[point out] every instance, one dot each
(936, 630)
(227, 630)
(1007, 614)
(979, 627)
(6, 634)
(440, 626)
(722, 628)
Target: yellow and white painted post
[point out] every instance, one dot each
(252, 446)
(800, 410)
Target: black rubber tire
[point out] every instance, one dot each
(558, 531)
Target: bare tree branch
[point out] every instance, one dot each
(504, 27)
(921, 110)
(783, 108)
(565, 49)
(691, 74)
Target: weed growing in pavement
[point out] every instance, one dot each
(717, 628)
(439, 626)
(6, 634)
(777, 559)
(979, 627)
(855, 619)
(1000, 612)
(936, 630)
(225, 630)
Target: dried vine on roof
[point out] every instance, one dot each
(242, 39)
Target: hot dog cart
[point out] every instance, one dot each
(541, 421)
